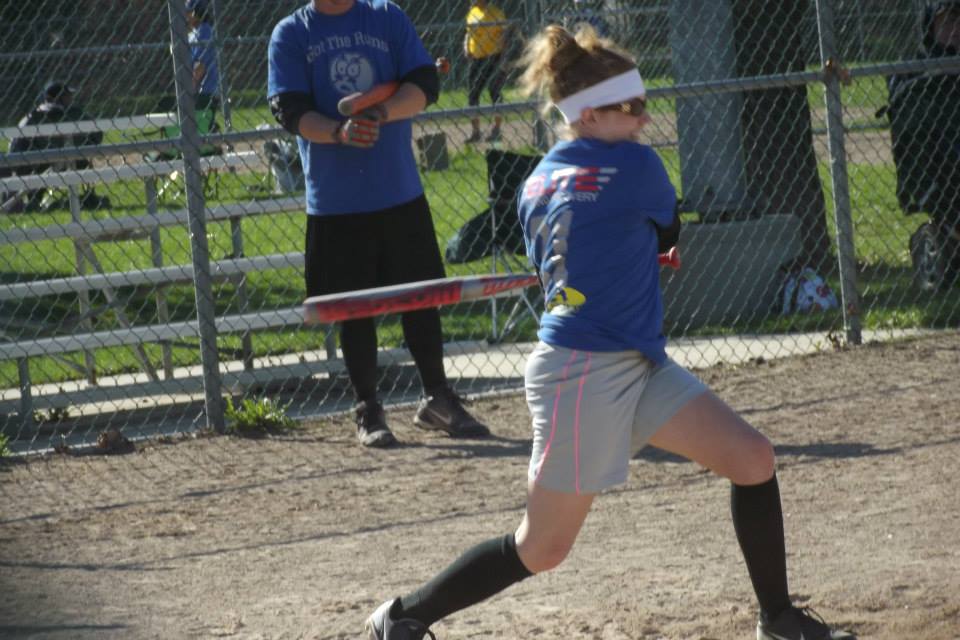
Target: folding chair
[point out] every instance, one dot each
(495, 232)
(205, 113)
(496, 229)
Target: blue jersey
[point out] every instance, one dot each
(588, 212)
(202, 49)
(329, 57)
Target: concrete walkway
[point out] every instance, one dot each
(692, 353)
(313, 386)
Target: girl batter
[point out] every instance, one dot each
(599, 384)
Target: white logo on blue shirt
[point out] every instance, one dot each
(351, 72)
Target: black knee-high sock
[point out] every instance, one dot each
(358, 339)
(758, 521)
(483, 571)
(424, 335)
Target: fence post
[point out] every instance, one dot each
(830, 60)
(189, 144)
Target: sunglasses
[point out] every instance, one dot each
(635, 107)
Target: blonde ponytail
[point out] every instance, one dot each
(558, 63)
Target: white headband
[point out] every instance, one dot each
(611, 91)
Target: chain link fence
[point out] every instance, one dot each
(151, 244)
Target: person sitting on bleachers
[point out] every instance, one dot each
(55, 105)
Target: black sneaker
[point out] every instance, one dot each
(799, 623)
(443, 411)
(380, 626)
(372, 429)
(475, 137)
(494, 135)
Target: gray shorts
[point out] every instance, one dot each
(592, 411)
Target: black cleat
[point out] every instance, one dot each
(443, 411)
(380, 626)
(372, 429)
(798, 623)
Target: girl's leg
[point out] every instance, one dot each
(358, 339)
(495, 84)
(550, 526)
(331, 242)
(712, 434)
(542, 541)
(475, 82)
(566, 390)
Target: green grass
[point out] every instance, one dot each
(889, 298)
(257, 418)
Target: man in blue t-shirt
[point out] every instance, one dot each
(368, 221)
(203, 54)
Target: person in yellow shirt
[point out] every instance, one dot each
(483, 45)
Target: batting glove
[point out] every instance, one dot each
(358, 131)
(377, 112)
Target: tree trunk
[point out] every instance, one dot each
(780, 158)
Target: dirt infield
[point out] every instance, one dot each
(301, 537)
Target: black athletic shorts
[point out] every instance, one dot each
(363, 250)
